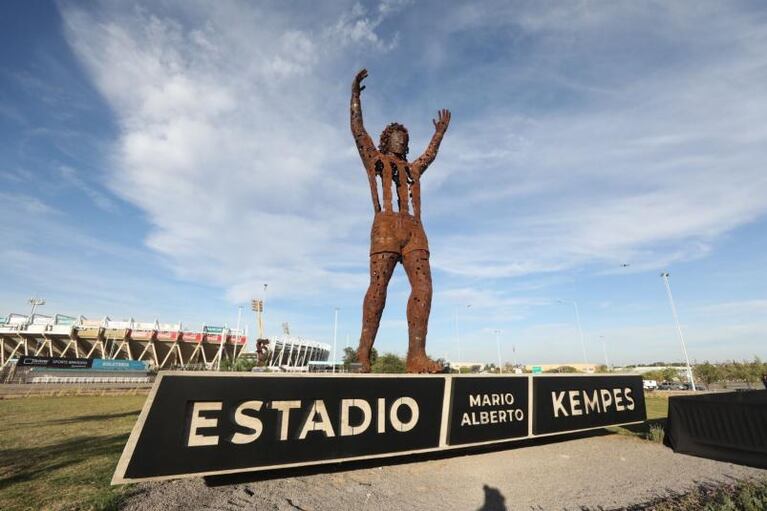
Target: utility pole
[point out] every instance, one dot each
(665, 276)
(498, 346)
(604, 350)
(580, 329)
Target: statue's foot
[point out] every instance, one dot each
(422, 364)
(363, 357)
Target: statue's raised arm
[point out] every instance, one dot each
(440, 127)
(364, 143)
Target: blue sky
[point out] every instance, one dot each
(166, 159)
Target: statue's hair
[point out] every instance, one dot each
(383, 145)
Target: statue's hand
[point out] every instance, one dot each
(356, 85)
(442, 120)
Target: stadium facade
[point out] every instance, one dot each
(161, 345)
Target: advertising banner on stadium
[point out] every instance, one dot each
(118, 365)
(196, 424)
(55, 362)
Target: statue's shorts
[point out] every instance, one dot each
(397, 233)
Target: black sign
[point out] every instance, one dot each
(571, 403)
(210, 424)
(489, 408)
(55, 362)
(197, 424)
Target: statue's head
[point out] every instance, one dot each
(394, 139)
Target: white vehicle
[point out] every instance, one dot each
(650, 384)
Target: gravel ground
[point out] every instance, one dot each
(606, 472)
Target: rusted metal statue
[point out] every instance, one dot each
(397, 234)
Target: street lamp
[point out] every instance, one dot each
(665, 276)
(580, 329)
(498, 345)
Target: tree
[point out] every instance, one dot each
(563, 369)
(350, 356)
(241, 364)
(389, 363)
(707, 373)
(602, 368)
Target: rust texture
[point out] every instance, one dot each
(397, 234)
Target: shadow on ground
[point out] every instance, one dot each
(494, 500)
(81, 418)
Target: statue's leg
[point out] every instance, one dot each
(381, 268)
(418, 270)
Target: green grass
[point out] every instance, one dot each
(59, 453)
(657, 411)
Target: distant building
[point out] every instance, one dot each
(545, 368)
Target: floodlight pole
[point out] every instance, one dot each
(335, 338)
(498, 346)
(263, 309)
(665, 276)
(35, 302)
(239, 317)
(580, 329)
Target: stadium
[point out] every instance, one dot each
(159, 345)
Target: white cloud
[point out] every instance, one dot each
(233, 136)
(227, 144)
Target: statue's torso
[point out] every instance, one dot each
(397, 182)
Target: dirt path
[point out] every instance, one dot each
(609, 471)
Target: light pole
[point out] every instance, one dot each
(580, 329)
(604, 350)
(498, 346)
(665, 276)
(263, 303)
(35, 302)
(335, 336)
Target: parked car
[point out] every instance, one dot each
(650, 384)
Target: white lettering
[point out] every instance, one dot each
(323, 425)
(607, 399)
(556, 399)
(394, 419)
(198, 422)
(519, 414)
(575, 402)
(627, 395)
(618, 400)
(364, 406)
(474, 400)
(246, 421)
(465, 419)
(284, 408)
(591, 404)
